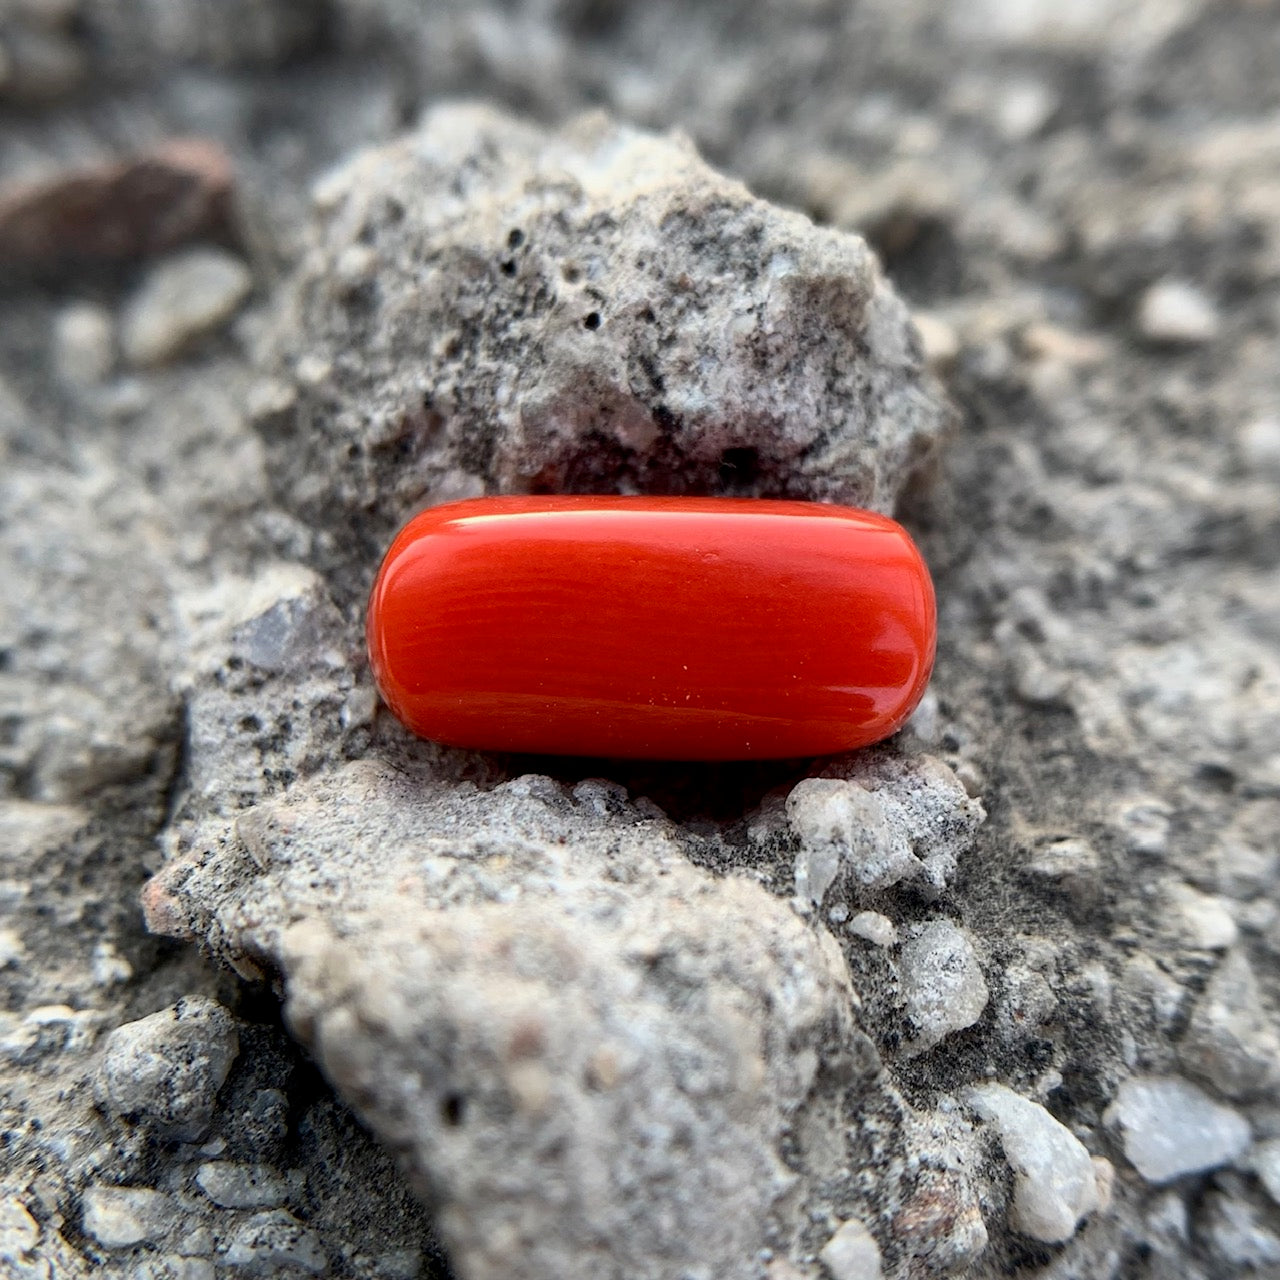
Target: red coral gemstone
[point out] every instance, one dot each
(652, 628)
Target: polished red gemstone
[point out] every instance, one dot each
(654, 628)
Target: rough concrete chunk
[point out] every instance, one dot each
(554, 1016)
(486, 306)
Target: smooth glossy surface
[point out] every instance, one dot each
(654, 628)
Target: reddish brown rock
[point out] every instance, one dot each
(177, 192)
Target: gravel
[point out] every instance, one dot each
(1080, 205)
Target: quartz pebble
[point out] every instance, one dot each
(1170, 1128)
(942, 983)
(1202, 920)
(852, 1253)
(241, 1186)
(843, 825)
(1055, 1184)
(271, 1242)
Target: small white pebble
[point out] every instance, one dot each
(184, 298)
(852, 1253)
(1024, 108)
(875, 928)
(84, 344)
(1260, 444)
(313, 371)
(938, 338)
(1055, 1182)
(1176, 311)
(1201, 919)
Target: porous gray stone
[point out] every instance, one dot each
(488, 307)
(165, 1070)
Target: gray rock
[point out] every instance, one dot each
(184, 299)
(583, 310)
(241, 1186)
(120, 1217)
(1230, 1041)
(268, 1243)
(942, 984)
(1055, 1185)
(1171, 1128)
(165, 1070)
